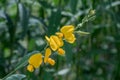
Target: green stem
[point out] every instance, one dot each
(8, 75)
(78, 26)
(14, 70)
(83, 22)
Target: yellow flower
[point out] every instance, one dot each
(59, 34)
(68, 33)
(61, 51)
(30, 68)
(47, 59)
(67, 29)
(70, 38)
(55, 42)
(34, 62)
(47, 54)
(51, 61)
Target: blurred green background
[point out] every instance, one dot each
(24, 23)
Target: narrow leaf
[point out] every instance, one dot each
(16, 77)
(24, 18)
(63, 71)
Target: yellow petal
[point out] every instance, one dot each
(61, 51)
(70, 38)
(47, 54)
(30, 68)
(35, 60)
(61, 42)
(47, 38)
(51, 61)
(67, 29)
(59, 34)
(53, 44)
(57, 40)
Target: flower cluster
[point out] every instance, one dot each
(55, 44)
(56, 41)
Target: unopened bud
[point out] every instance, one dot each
(92, 12)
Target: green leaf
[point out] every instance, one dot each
(23, 15)
(82, 33)
(45, 4)
(11, 27)
(12, 10)
(54, 21)
(16, 77)
(56, 2)
(73, 5)
(24, 18)
(62, 72)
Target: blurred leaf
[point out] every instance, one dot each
(16, 77)
(6, 52)
(113, 4)
(73, 5)
(62, 72)
(56, 2)
(69, 54)
(24, 18)
(2, 67)
(31, 45)
(11, 27)
(45, 4)
(54, 21)
(35, 20)
(12, 9)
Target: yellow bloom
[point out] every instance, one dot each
(47, 59)
(55, 42)
(47, 54)
(67, 29)
(30, 68)
(51, 61)
(68, 33)
(59, 34)
(61, 51)
(70, 38)
(34, 62)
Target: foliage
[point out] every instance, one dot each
(24, 24)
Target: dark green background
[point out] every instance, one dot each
(24, 23)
